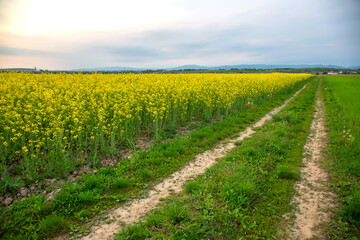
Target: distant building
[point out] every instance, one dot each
(332, 73)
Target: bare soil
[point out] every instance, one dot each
(138, 208)
(315, 202)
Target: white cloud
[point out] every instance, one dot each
(160, 33)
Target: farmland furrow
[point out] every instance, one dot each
(136, 209)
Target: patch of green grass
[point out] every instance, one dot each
(155, 220)
(83, 214)
(191, 187)
(276, 118)
(146, 174)
(135, 232)
(286, 172)
(239, 192)
(121, 183)
(176, 213)
(352, 208)
(342, 98)
(291, 117)
(345, 91)
(280, 132)
(8, 184)
(93, 181)
(51, 224)
(97, 192)
(243, 196)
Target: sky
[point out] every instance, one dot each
(72, 34)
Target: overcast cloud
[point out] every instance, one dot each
(72, 34)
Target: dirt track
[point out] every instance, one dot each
(314, 199)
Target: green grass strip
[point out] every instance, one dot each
(245, 195)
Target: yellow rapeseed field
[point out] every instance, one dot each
(43, 116)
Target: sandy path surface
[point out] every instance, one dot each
(137, 208)
(315, 201)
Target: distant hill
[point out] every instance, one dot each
(225, 67)
(186, 67)
(110, 69)
(192, 67)
(355, 67)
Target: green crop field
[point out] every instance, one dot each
(342, 95)
(346, 93)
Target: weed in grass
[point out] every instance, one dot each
(8, 184)
(296, 128)
(69, 201)
(352, 209)
(109, 171)
(159, 161)
(286, 172)
(92, 182)
(238, 143)
(274, 147)
(155, 220)
(177, 213)
(121, 183)
(134, 232)
(191, 187)
(95, 161)
(250, 151)
(146, 174)
(83, 214)
(276, 118)
(51, 224)
(173, 150)
(280, 132)
(240, 192)
(134, 154)
(290, 117)
(121, 198)
(199, 135)
(88, 197)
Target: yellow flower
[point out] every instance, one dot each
(25, 149)
(84, 105)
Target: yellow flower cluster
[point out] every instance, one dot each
(41, 112)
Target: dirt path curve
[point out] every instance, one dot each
(314, 199)
(174, 184)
